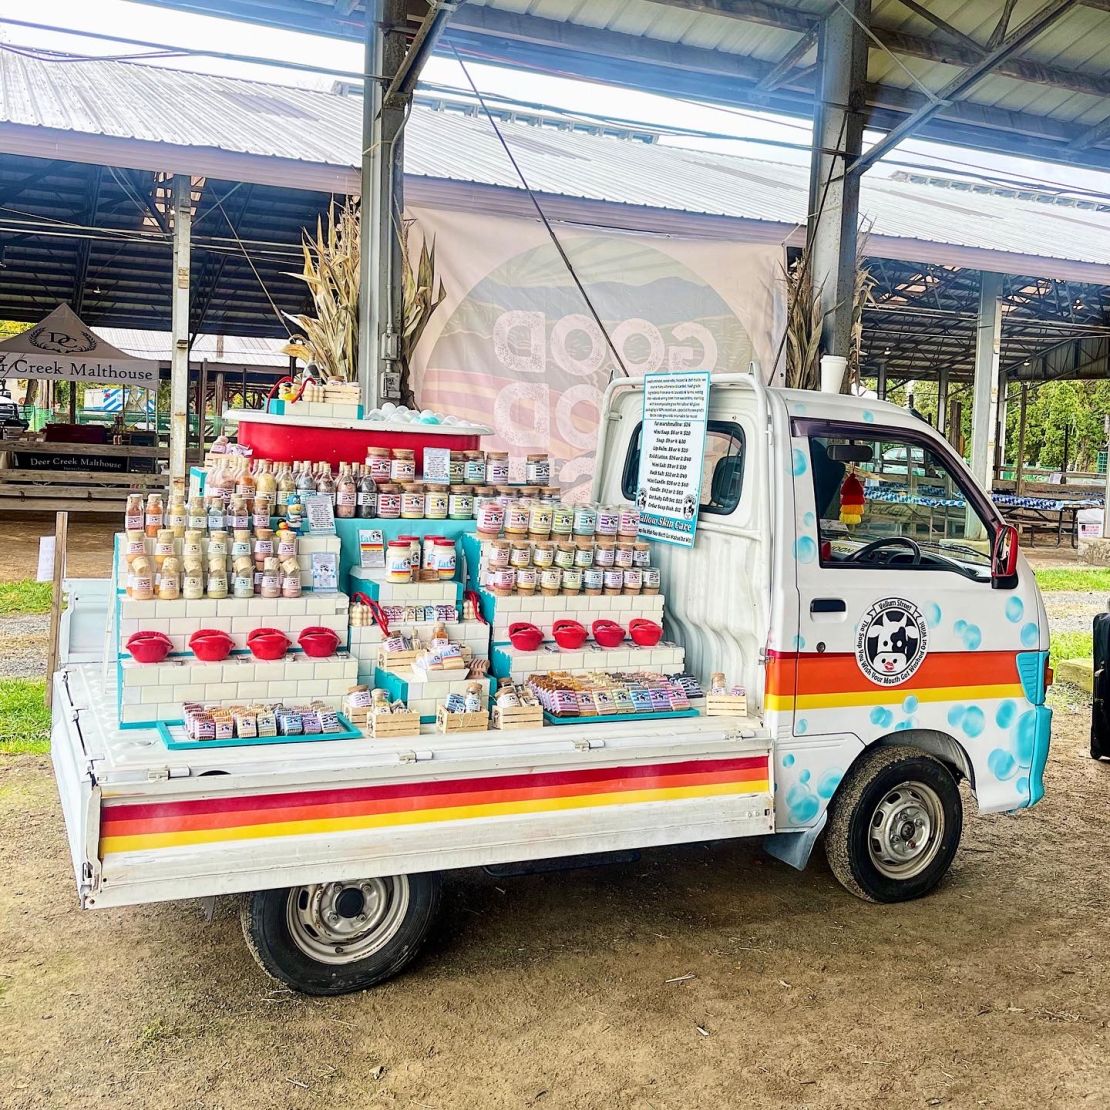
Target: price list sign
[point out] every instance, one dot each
(672, 450)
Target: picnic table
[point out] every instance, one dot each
(1033, 511)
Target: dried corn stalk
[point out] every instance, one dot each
(803, 327)
(331, 272)
(421, 298)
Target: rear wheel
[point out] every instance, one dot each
(894, 825)
(333, 938)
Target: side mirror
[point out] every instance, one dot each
(1004, 556)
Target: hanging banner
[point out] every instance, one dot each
(672, 452)
(514, 345)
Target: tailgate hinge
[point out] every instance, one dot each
(585, 744)
(160, 774)
(414, 757)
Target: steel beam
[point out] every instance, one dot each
(988, 349)
(427, 35)
(833, 225)
(179, 326)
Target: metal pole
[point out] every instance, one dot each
(833, 223)
(880, 381)
(1019, 462)
(984, 405)
(368, 320)
(179, 326)
(942, 399)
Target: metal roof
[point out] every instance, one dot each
(1048, 98)
(235, 350)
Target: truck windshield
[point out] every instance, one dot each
(904, 509)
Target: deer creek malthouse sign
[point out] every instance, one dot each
(67, 363)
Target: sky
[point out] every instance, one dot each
(157, 24)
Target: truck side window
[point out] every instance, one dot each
(906, 508)
(722, 469)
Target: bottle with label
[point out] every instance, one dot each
(286, 542)
(196, 519)
(216, 514)
(245, 485)
(290, 578)
(265, 484)
(238, 516)
(271, 577)
(367, 496)
(325, 483)
(154, 516)
(306, 481)
(142, 578)
(346, 493)
(242, 582)
(192, 578)
(169, 579)
(133, 517)
(163, 548)
(175, 516)
(217, 578)
(286, 485)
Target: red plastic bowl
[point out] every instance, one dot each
(149, 647)
(211, 644)
(608, 633)
(524, 636)
(267, 643)
(569, 634)
(644, 632)
(318, 641)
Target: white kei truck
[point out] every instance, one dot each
(884, 661)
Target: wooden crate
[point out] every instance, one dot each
(726, 705)
(511, 717)
(403, 661)
(461, 722)
(388, 725)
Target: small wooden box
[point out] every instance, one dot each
(386, 725)
(461, 722)
(726, 705)
(511, 717)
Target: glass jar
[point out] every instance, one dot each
(456, 468)
(380, 462)
(217, 579)
(633, 580)
(263, 544)
(608, 521)
(134, 517)
(614, 581)
(346, 494)
(192, 578)
(271, 577)
(153, 515)
(398, 561)
(564, 555)
(286, 543)
(163, 547)
(520, 555)
(641, 554)
(605, 553)
(593, 580)
(497, 553)
(196, 519)
(491, 517)
(497, 468)
(460, 503)
(583, 554)
(474, 468)
(241, 544)
(436, 502)
(516, 518)
(501, 580)
(506, 495)
(412, 501)
(175, 516)
(242, 579)
(389, 502)
(169, 579)
(572, 580)
(543, 553)
(539, 519)
(237, 516)
(446, 558)
(551, 581)
(526, 580)
(428, 571)
(367, 497)
(585, 520)
(402, 466)
(628, 523)
(135, 544)
(537, 470)
(651, 580)
(625, 555)
(562, 520)
(290, 578)
(141, 578)
(217, 547)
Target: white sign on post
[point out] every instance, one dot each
(672, 453)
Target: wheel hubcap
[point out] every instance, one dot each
(339, 923)
(906, 830)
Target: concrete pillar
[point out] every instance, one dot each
(880, 382)
(984, 405)
(833, 224)
(179, 325)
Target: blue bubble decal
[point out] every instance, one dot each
(1022, 785)
(1029, 635)
(974, 720)
(902, 726)
(881, 716)
(805, 776)
(1025, 734)
(805, 549)
(799, 642)
(798, 407)
(799, 457)
(910, 704)
(956, 715)
(959, 626)
(809, 520)
(1001, 764)
(1005, 715)
(830, 780)
(868, 416)
(803, 803)
(788, 761)
(801, 725)
(1015, 609)
(933, 614)
(973, 637)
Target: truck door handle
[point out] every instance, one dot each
(828, 605)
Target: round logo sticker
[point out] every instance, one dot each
(892, 641)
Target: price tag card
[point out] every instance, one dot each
(320, 514)
(325, 572)
(371, 547)
(437, 461)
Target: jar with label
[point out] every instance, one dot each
(562, 519)
(263, 510)
(543, 553)
(241, 544)
(633, 580)
(192, 578)
(412, 501)
(402, 467)
(641, 554)
(593, 580)
(427, 559)
(237, 515)
(497, 468)
(460, 503)
(516, 518)
(286, 484)
(537, 470)
(520, 554)
(290, 578)
(286, 543)
(142, 578)
(629, 523)
(572, 580)
(614, 581)
(217, 579)
(491, 517)
(271, 577)
(526, 580)
(583, 553)
(585, 520)
(242, 578)
(436, 502)
(506, 495)
(551, 581)
(651, 580)
(135, 545)
(605, 553)
(564, 555)
(389, 502)
(192, 545)
(497, 553)
(379, 460)
(217, 547)
(414, 553)
(196, 519)
(175, 517)
(445, 558)
(263, 544)
(163, 547)
(539, 519)
(474, 468)
(367, 496)
(398, 561)
(608, 521)
(153, 515)
(217, 516)
(346, 493)
(134, 518)
(169, 579)
(501, 581)
(625, 555)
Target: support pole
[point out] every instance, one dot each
(984, 405)
(833, 224)
(61, 534)
(942, 400)
(179, 326)
(880, 382)
(1019, 461)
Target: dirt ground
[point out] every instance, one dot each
(552, 990)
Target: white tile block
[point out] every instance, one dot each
(131, 696)
(291, 606)
(132, 714)
(251, 690)
(191, 692)
(202, 609)
(152, 695)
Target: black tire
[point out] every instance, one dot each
(288, 934)
(894, 825)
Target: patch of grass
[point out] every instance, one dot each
(1095, 579)
(25, 596)
(1070, 645)
(24, 718)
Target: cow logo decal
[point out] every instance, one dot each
(892, 640)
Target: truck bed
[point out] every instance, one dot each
(148, 824)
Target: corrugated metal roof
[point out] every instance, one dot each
(235, 349)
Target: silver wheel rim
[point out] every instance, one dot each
(906, 830)
(339, 923)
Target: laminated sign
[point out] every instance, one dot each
(672, 450)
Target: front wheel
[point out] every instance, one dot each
(334, 938)
(894, 825)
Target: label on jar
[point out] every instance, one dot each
(539, 519)
(193, 586)
(195, 523)
(604, 556)
(502, 578)
(445, 559)
(399, 562)
(436, 505)
(240, 548)
(564, 556)
(380, 467)
(133, 522)
(585, 521)
(572, 579)
(593, 578)
(543, 556)
(629, 523)
(614, 578)
(217, 549)
(608, 521)
(520, 556)
(491, 516)
(497, 472)
(287, 546)
(498, 555)
(216, 520)
(624, 556)
(389, 505)
(551, 578)
(562, 520)
(583, 557)
(538, 471)
(291, 585)
(641, 556)
(526, 578)
(366, 497)
(402, 470)
(651, 578)
(412, 505)
(242, 584)
(263, 548)
(261, 520)
(177, 520)
(456, 471)
(239, 521)
(271, 584)
(142, 586)
(516, 517)
(461, 506)
(633, 578)
(346, 499)
(474, 472)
